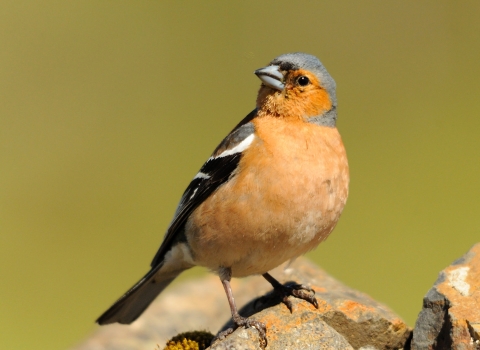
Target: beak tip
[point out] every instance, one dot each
(271, 76)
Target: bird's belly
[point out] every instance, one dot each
(280, 205)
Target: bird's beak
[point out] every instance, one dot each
(271, 76)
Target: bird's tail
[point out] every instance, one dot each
(131, 305)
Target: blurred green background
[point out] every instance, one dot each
(109, 108)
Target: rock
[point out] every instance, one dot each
(362, 321)
(304, 331)
(450, 318)
(346, 319)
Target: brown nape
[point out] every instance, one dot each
(295, 101)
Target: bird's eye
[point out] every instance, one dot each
(303, 81)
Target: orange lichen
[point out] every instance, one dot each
(354, 308)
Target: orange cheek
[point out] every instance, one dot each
(306, 103)
(293, 102)
(310, 100)
(321, 100)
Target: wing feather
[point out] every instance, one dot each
(217, 170)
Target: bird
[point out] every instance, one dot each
(272, 190)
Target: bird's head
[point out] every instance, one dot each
(297, 85)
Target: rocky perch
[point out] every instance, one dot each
(345, 319)
(450, 317)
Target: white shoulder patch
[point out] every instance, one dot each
(242, 146)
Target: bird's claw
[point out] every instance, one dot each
(299, 291)
(246, 322)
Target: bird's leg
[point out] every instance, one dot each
(239, 321)
(297, 290)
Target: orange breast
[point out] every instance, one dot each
(286, 198)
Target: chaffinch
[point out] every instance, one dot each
(272, 190)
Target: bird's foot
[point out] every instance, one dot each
(246, 322)
(297, 290)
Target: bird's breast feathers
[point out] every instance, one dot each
(289, 188)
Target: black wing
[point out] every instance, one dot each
(216, 171)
